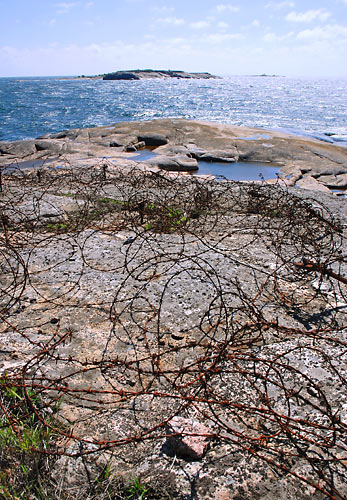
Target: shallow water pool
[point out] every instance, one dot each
(235, 171)
(143, 155)
(239, 171)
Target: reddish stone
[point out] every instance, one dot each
(190, 440)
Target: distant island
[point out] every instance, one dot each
(265, 74)
(141, 74)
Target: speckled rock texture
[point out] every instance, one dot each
(163, 308)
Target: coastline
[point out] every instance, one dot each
(179, 145)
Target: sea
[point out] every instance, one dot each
(31, 107)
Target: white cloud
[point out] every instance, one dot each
(176, 44)
(272, 37)
(89, 4)
(221, 38)
(222, 25)
(329, 32)
(199, 25)
(171, 20)
(164, 9)
(255, 23)
(227, 7)
(65, 7)
(279, 5)
(308, 16)
(226, 55)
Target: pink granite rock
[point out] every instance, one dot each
(189, 439)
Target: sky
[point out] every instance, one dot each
(243, 37)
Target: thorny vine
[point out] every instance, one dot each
(221, 300)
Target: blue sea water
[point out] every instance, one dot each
(30, 107)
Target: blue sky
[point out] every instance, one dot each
(293, 38)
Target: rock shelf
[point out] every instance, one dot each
(179, 144)
(193, 331)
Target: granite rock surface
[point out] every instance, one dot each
(178, 145)
(195, 330)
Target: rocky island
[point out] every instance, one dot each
(173, 331)
(146, 74)
(141, 74)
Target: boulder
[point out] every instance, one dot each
(132, 148)
(114, 144)
(334, 181)
(53, 146)
(45, 136)
(152, 139)
(178, 163)
(65, 134)
(171, 150)
(330, 171)
(311, 183)
(19, 149)
(226, 155)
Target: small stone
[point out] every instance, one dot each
(311, 183)
(190, 441)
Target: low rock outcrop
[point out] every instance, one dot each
(177, 145)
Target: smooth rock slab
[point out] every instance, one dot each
(178, 163)
(334, 181)
(227, 156)
(180, 139)
(312, 183)
(18, 148)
